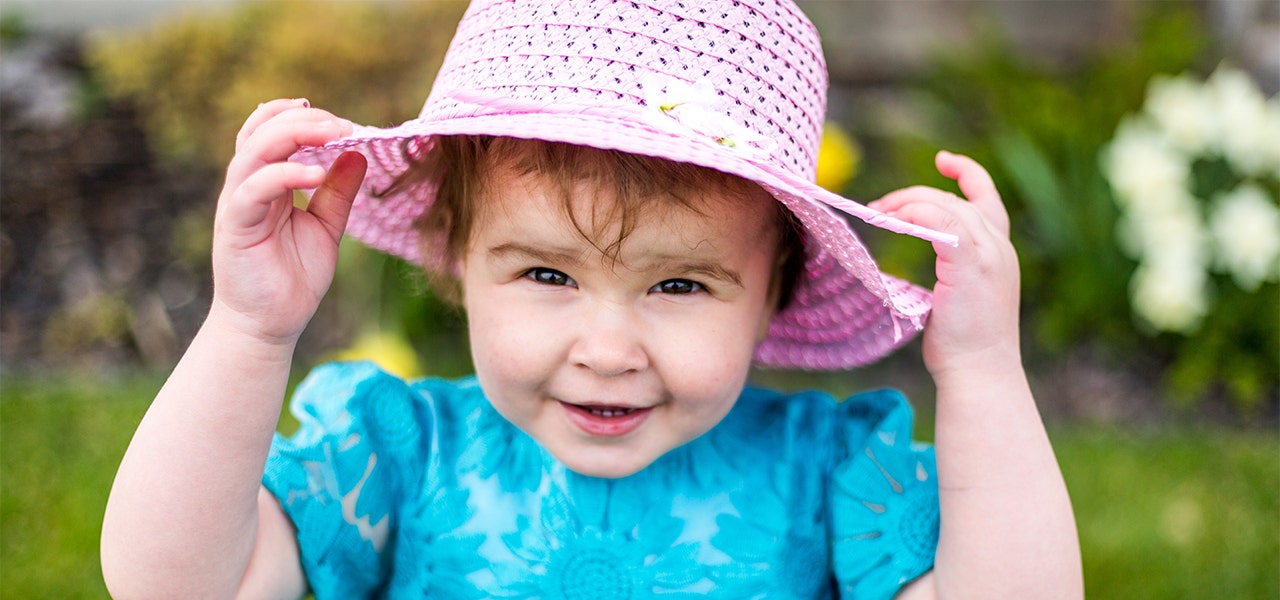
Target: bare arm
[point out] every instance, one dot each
(184, 514)
(1007, 526)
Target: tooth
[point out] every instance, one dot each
(610, 412)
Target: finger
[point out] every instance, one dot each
(937, 210)
(894, 201)
(976, 185)
(279, 138)
(264, 112)
(331, 202)
(251, 203)
(979, 242)
(313, 124)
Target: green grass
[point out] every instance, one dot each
(60, 443)
(1188, 514)
(1162, 514)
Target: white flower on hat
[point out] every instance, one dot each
(1246, 233)
(700, 108)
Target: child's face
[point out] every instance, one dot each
(611, 364)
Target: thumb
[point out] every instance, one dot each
(331, 202)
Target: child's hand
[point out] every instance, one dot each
(973, 328)
(273, 262)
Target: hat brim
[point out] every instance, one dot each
(844, 312)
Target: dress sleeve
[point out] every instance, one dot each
(339, 477)
(884, 498)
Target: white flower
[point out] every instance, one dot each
(1170, 228)
(1169, 295)
(1247, 137)
(1163, 225)
(699, 108)
(1142, 165)
(1246, 230)
(1270, 129)
(1185, 111)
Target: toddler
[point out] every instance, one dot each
(620, 194)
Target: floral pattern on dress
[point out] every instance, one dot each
(501, 450)
(563, 556)
(340, 492)
(438, 555)
(425, 490)
(885, 511)
(763, 541)
(777, 531)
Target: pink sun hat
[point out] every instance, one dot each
(736, 86)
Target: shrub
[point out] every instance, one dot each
(195, 79)
(1041, 132)
(1196, 175)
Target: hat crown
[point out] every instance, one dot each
(748, 74)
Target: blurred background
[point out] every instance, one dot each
(1137, 144)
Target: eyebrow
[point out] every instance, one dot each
(566, 257)
(552, 256)
(709, 269)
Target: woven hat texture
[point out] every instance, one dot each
(737, 86)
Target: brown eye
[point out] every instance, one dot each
(677, 286)
(547, 276)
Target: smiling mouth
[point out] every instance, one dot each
(606, 421)
(607, 412)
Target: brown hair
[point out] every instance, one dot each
(456, 166)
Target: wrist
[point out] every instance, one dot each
(246, 333)
(985, 366)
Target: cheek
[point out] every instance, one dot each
(726, 358)
(500, 343)
(506, 368)
(706, 396)
(515, 347)
(710, 363)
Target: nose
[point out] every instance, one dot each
(609, 342)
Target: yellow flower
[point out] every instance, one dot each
(389, 350)
(838, 157)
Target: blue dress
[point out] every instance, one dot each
(421, 489)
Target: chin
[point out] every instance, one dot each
(600, 465)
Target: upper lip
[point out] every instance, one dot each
(607, 405)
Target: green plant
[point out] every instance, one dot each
(1172, 513)
(61, 440)
(1040, 130)
(1196, 175)
(13, 27)
(195, 79)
